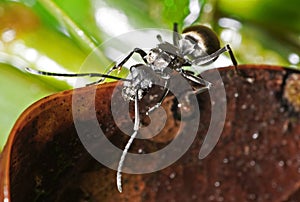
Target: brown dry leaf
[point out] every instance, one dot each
(256, 159)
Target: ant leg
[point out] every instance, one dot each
(201, 89)
(141, 52)
(102, 79)
(234, 62)
(195, 79)
(175, 27)
(166, 91)
(134, 134)
(185, 103)
(175, 35)
(201, 60)
(198, 80)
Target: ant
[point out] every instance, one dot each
(198, 45)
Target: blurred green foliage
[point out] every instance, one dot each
(65, 32)
(273, 24)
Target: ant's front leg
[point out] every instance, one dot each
(139, 51)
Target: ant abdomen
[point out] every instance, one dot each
(204, 36)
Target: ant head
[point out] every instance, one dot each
(204, 36)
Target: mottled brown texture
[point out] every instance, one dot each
(256, 159)
(292, 91)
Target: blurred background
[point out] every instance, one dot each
(57, 36)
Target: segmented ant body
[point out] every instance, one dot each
(196, 46)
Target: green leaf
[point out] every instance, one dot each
(18, 91)
(26, 42)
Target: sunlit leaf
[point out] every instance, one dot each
(18, 91)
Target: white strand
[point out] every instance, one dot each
(125, 151)
(121, 162)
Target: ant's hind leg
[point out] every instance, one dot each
(205, 86)
(202, 60)
(233, 60)
(199, 90)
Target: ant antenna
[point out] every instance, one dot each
(38, 72)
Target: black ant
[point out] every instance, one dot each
(197, 46)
